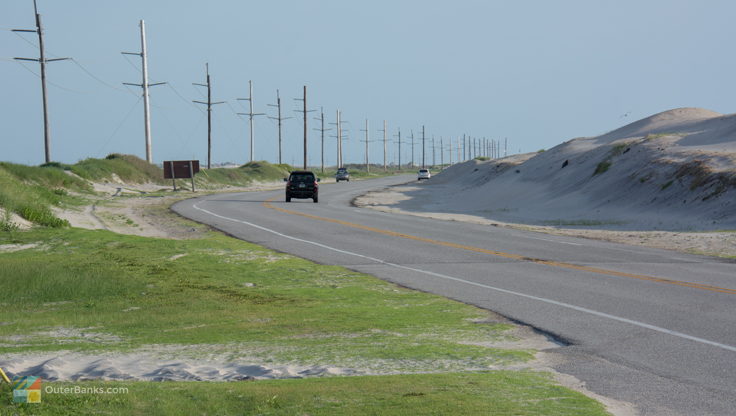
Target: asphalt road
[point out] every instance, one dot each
(646, 326)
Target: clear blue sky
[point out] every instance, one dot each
(537, 72)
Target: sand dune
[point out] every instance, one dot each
(675, 170)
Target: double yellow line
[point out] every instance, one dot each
(512, 256)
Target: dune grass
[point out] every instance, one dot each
(233, 298)
(489, 393)
(257, 171)
(128, 168)
(229, 296)
(31, 191)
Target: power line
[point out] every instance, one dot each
(125, 118)
(93, 76)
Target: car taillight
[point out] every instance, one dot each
(315, 184)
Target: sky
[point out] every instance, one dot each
(534, 73)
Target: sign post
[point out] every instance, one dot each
(181, 169)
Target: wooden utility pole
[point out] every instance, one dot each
(465, 154)
(423, 146)
(384, 146)
(209, 105)
(338, 136)
(434, 161)
(322, 130)
(398, 134)
(367, 165)
(412, 149)
(442, 153)
(44, 96)
(250, 115)
(339, 140)
(279, 118)
(304, 112)
(144, 84)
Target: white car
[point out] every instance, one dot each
(423, 174)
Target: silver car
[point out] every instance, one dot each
(342, 175)
(423, 174)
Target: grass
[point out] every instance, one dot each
(619, 149)
(602, 167)
(223, 298)
(259, 171)
(31, 192)
(128, 168)
(497, 393)
(86, 279)
(228, 298)
(653, 136)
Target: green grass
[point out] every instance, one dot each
(297, 312)
(666, 185)
(497, 393)
(31, 192)
(619, 149)
(602, 167)
(129, 168)
(260, 171)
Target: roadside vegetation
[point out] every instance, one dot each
(31, 192)
(220, 296)
(488, 393)
(95, 292)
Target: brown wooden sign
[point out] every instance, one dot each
(180, 169)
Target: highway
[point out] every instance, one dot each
(651, 327)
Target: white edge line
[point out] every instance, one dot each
(553, 241)
(468, 282)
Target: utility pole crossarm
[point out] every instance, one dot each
(304, 112)
(42, 61)
(145, 85)
(209, 105)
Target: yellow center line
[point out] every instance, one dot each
(512, 256)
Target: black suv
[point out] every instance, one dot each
(302, 184)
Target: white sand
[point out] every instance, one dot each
(67, 365)
(673, 171)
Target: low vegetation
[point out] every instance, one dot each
(602, 167)
(489, 393)
(215, 297)
(31, 192)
